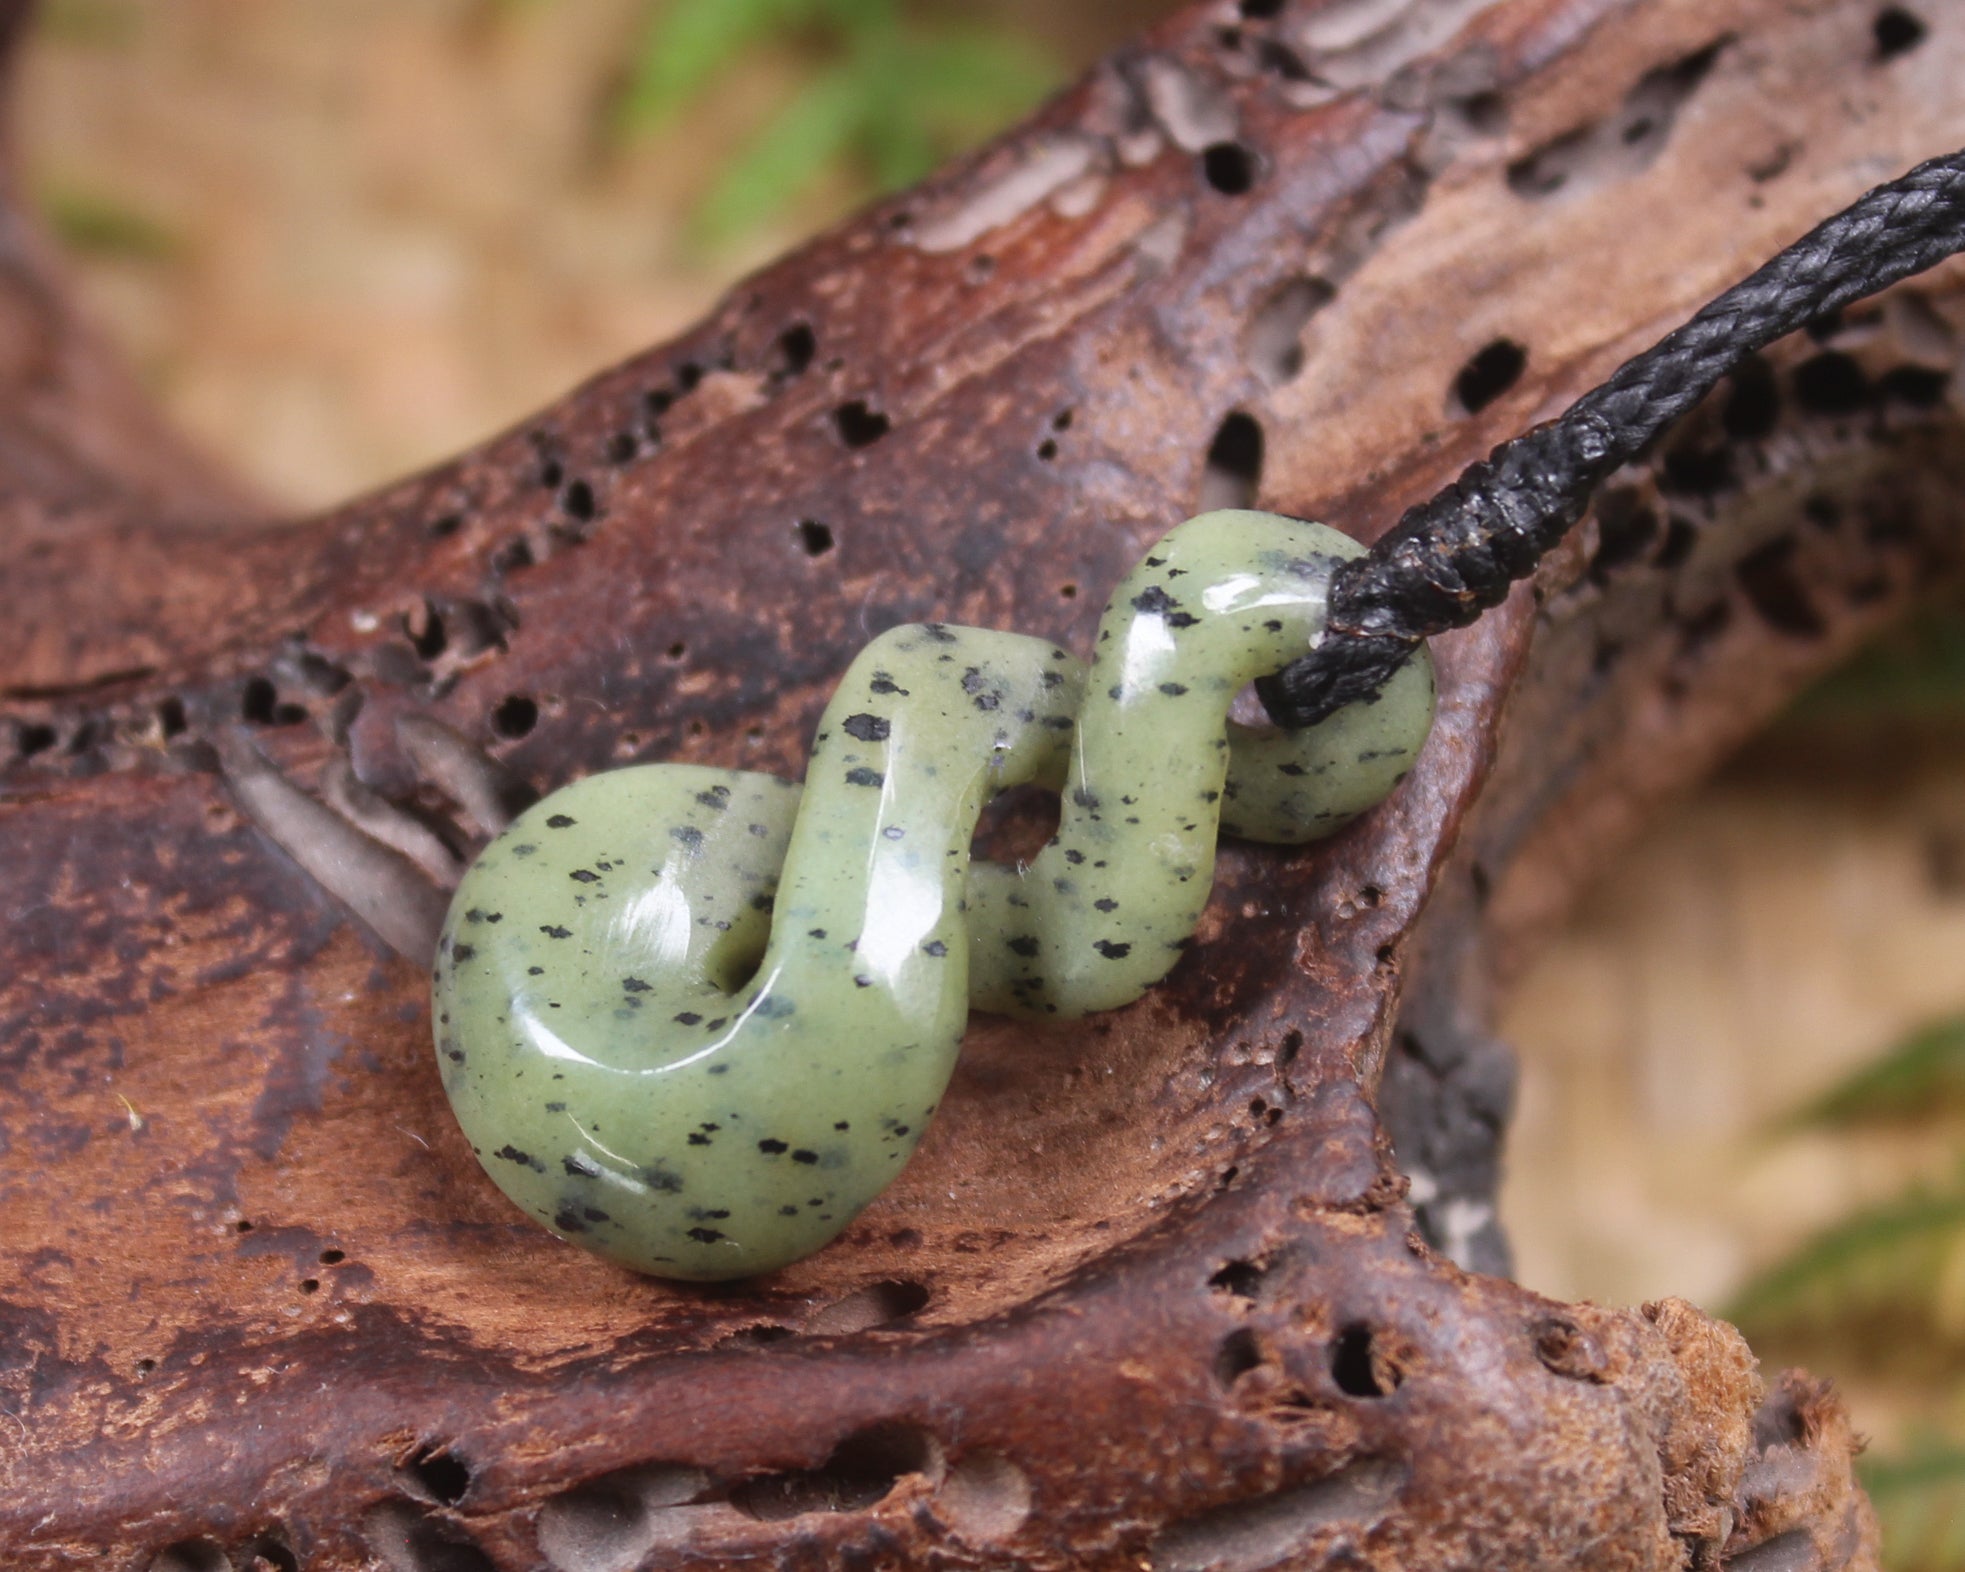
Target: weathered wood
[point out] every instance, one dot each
(1153, 1292)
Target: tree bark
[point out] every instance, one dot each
(1211, 1282)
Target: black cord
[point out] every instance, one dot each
(1449, 559)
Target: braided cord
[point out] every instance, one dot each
(1453, 557)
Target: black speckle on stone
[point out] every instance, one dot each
(1084, 798)
(584, 876)
(893, 832)
(883, 683)
(863, 776)
(460, 953)
(705, 1235)
(716, 798)
(634, 985)
(554, 931)
(1156, 600)
(535, 971)
(815, 933)
(524, 849)
(662, 1181)
(560, 821)
(594, 1214)
(567, 1221)
(775, 1007)
(938, 632)
(1025, 945)
(1105, 904)
(843, 1125)
(556, 1108)
(697, 1138)
(1073, 855)
(688, 1018)
(512, 1154)
(787, 1211)
(934, 947)
(687, 836)
(867, 727)
(803, 1156)
(579, 1165)
(1173, 690)
(1113, 951)
(771, 1146)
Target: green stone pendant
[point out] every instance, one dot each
(695, 1019)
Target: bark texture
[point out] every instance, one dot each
(1212, 1282)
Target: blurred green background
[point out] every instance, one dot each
(340, 241)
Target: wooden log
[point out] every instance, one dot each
(1210, 1282)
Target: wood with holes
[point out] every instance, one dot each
(1213, 1282)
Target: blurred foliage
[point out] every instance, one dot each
(884, 92)
(96, 224)
(93, 24)
(1885, 1288)
(1920, 1079)
(1914, 671)
(1920, 1497)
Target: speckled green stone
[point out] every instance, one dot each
(696, 1019)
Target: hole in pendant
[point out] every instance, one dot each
(815, 537)
(1016, 825)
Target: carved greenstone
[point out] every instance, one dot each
(696, 1019)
